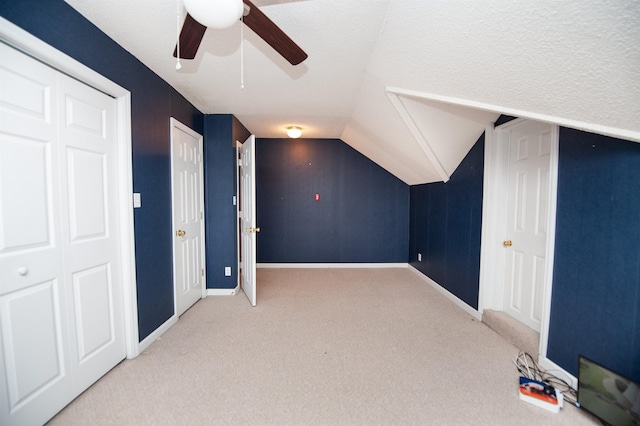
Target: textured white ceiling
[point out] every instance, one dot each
(378, 70)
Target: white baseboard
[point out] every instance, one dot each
(331, 265)
(455, 299)
(556, 370)
(222, 291)
(157, 333)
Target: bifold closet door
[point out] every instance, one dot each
(61, 319)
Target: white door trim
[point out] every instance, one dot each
(32, 46)
(492, 260)
(236, 200)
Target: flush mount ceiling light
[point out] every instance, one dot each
(294, 131)
(217, 14)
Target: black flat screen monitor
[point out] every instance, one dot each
(612, 398)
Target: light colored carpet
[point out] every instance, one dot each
(521, 336)
(323, 347)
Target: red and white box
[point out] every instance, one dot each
(541, 395)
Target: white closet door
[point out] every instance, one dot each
(33, 314)
(60, 309)
(90, 227)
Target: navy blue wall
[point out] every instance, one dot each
(362, 215)
(221, 133)
(153, 102)
(596, 279)
(446, 224)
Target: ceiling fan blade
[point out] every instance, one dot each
(190, 38)
(273, 35)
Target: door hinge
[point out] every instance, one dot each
(199, 158)
(201, 215)
(202, 272)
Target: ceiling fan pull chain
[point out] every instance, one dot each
(178, 64)
(242, 53)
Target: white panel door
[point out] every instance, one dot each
(61, 322)
(87, 140)
(33, 315)
(248, 218)
(188, 215)
(526, 235)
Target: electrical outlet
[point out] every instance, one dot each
(419, 257)
(227, 271)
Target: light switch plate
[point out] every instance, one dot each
(227, 271)
(137, 203)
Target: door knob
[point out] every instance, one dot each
(180, 233)
(252, 230)
(507, 243)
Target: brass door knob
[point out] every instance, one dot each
(180, 233)
(252, 230)
(507, 243)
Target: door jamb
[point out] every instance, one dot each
(492, 258)
(25, 42)
(238, 165)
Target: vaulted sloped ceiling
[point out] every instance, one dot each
(445, 132)
(411, 84)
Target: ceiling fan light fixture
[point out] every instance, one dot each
(217, 14)
(294, 132)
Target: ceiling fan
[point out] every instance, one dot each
(193, 31)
